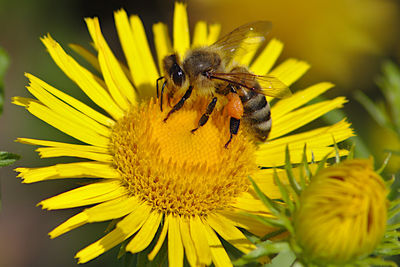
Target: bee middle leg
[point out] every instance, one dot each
(179, 105)
(206, 115)
(233, 128)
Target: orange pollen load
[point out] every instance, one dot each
(234, 106)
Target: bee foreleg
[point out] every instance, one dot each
(162, 93)
(179, 105)
(233, 128)
(206, 115)
(157, 81)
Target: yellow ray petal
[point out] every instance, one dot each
(52, 152)
(23, 101)
(84, 148)
(82, 77)
(146, 233)
(78, 105)
(137, 52)
(290, 71)
(105, 211)
(298, 99)
(70, 113)
(248, 203)
(190, 250)
(292, 121)
(175, 246)
(265, 179)
(278, 159)
(162, 42)
(219, 256)
(85, 195)
(181, 29)
(63, 124)
(92, 59)
(319, 137)
(87, 55)
(117, 83)
(250, 224)
(123, 230)
(197, 232)
(160, 241)
(213, 33)
(68, 170)
(144, 50)
(230, 233)
(200, 34)
(264, 62)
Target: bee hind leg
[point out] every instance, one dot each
(206, 115)
(233, 129)
(179, 105)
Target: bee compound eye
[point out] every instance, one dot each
(178, 76)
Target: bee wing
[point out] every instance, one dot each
(272, 86)
(267, 85)
(243, 38)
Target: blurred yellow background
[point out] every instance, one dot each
(344, 40)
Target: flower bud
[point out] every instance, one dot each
(342, 214)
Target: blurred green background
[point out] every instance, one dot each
(345, 41)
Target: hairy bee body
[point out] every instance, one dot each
(204, 72)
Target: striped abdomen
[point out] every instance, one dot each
(257, 113)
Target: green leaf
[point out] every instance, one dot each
(285, 258)
(263, 249)
(378, 114)
(7, 158)
(390, 86)
(4, 62)
(378, 262)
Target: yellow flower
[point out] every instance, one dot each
(158, 177)
(342, 214)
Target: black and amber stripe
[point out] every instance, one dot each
(257, 113)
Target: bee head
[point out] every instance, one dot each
(173, 70)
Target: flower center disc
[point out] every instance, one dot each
(178, 171)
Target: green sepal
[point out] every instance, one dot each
(284, 192)
(273, 207)
(384, 164)
(289, 171)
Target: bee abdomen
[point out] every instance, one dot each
(257, 114)
(262, 129)
(253, 101)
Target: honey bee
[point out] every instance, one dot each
(210, 71)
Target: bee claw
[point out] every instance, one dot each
(193, 130)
